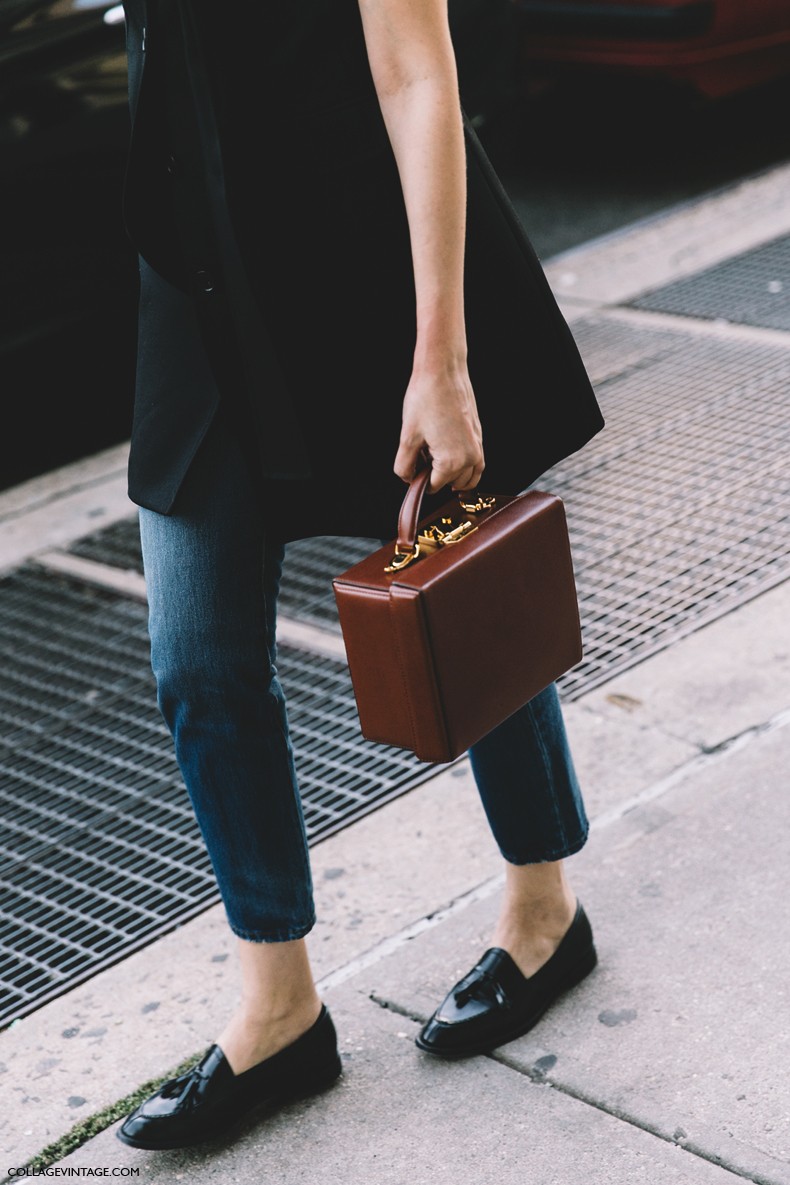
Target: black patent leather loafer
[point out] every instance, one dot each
(207, 1101)
(495, 1003)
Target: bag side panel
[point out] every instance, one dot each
(376, 677)
(503, 624)
(429, 725)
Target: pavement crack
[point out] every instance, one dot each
(780, 720)
(394, 942)
(95, 1124)
(688, 769)
(538, 1074)
(397, 1009)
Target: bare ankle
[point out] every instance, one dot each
(254, 1034)
(537, 910)
(278, 1002)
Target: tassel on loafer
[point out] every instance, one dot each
(495, 1002)
(209, 1100)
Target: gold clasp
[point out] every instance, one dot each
(483, 502)
(440, 534)
(402, 559)
(457, 533)
(436, 535)
(433, 536)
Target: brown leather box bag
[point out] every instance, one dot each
(464, 620)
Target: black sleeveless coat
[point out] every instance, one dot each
(264, 199)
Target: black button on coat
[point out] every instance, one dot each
(286, 195)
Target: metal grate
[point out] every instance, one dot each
(100, 848)
(306, 589)
(750, 289)
(679, 510)
(117, 545)
(309, 567)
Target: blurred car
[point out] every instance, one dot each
(716, 47)
(69, 275)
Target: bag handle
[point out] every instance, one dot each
(409, 515)
(407, 548)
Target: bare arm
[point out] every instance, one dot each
(413, 66)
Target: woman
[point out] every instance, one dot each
(270, 157)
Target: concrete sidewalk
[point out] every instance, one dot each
(666, 1065)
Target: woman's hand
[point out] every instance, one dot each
(440, 419)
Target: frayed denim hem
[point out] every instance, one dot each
(290, 935)
(549, 857)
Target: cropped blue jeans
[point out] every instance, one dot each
(212, 578)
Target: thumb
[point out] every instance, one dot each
(408, 459)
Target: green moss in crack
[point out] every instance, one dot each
(94, 1124)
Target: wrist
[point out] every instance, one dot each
(440, 352)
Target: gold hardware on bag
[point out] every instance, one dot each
(402, 559)
(442, 533)
(483, 502)
(430, 540)
(435, 537)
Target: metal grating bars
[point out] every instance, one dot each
(309, 566)
(749, 289)
(117, 545)
(678, 512)
(306, 589)
(100, 848)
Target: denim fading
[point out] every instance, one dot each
(213, 578)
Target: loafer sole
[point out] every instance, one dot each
(520, 1027)
(226, 1127)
